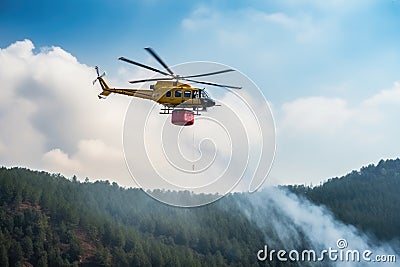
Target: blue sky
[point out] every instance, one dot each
(311, 59)
(346, 42)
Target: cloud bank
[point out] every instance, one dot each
(51, 118)
(329, 136)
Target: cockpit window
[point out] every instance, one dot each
(178, 93)
(187, 94)
(203, 94)
(168, 94)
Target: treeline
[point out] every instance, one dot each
(368, 199)
(49, 220)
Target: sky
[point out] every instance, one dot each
(330, 71)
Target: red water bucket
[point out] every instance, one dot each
(182, 117)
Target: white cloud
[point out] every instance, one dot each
(301, 25)
(20, 49)
(336, 6)
(200, 18)
(94, 159)
(57, 161)
(385, 97)
(51, 118)
(322, 114)
(321, 137)
(233, 28)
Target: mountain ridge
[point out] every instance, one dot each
(49, 220)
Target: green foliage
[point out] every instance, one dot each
(49, 220)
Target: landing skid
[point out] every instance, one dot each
(168, 110)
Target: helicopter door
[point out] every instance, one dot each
(187, 95)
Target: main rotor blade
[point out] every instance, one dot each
(153, 53)
(207, 74)
(153, 79)
(143, 66)
(214, 84)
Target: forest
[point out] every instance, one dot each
(51, 220)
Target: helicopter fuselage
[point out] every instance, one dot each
(167, 93)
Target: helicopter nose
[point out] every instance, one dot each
(210, 102)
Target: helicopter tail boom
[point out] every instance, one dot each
(106, 89)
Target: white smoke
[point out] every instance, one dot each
(300, 224)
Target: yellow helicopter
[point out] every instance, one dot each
(175, 96)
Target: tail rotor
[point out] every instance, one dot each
(98, 74)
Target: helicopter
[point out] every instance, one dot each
(180, 99)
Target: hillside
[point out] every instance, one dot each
(368, 199)
(49, 220)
